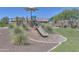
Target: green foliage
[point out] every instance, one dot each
(48, 28)
(67, 15)
(2, 24)
(19, 39)
(25, 27)
(19, 20)
(4, 21)
(31, 9)
(19, 36)
(17, 30)
(11, 26)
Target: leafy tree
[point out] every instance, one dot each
(4, 21)
(72, 15)
(67, 15)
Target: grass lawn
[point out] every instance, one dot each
(72, 44)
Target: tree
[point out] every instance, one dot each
(31, 10)
(19, 20)
(71, 15)
(67, 15)
(5, 20)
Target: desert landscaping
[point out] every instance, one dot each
(59, 33)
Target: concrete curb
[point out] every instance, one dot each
(47, 42)
(65, 39)
(41, 41)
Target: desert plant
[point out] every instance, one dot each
(11, 26)
(48, 28)
(19, 36)
(17, 30)
(19, 39)
(25, 27)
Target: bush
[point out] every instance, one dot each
(18, 39)
(25, 27)
(2, 24)
(17, 30)
(11, 26)
(48, 28)
(19, 36)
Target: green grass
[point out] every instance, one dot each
(72, 44)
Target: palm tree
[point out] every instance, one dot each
(31, 10)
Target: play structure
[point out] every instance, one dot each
(39, 28)
(32, 23)
(42, 32)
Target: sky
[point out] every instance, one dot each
(43, 12)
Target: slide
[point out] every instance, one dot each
(42, 32)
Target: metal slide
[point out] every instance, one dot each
(42, 32)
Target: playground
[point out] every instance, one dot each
(35, 43)
(28, 35)
(32, 34)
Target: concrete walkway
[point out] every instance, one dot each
(32, 46)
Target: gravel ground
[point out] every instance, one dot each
(51, 37)
(32, 46)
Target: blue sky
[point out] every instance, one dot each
(44, 12)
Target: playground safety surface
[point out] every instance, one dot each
(32, 46)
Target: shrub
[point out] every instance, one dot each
(17, 30)
(11, 26)
(2, 24)
(25, 27)
(19, 36)
(48, 28)
(18, 39)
